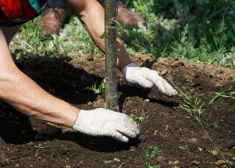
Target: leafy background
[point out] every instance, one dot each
(196, 30)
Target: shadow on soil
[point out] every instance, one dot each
(71, 84)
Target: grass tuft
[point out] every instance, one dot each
(198, 31)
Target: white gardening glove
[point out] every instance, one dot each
(147, 78)
(103, 122)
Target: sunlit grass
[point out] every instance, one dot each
(198, 31)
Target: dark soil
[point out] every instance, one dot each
(28, 142)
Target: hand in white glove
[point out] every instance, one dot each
(103, 122)
(147, 78)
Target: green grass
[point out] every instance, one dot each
(195, 108)
(98, 89)
(138, 119)
(222, 94)
(150, 152)
(73, 41)
(39, 146)
(198, 31)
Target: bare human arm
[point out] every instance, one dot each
(91, 13)
(25, 95)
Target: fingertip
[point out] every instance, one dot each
(137, 132)
(119, 136)
(124, 139)
(174, 92)
(149, 85)
(133, 129)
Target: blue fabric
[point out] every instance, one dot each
(61, 4)
(56, 4)
(35, 4)
(101, 2)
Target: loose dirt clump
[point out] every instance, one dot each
(180, 141)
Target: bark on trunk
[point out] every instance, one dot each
(110, 54)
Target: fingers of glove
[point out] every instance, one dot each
(166, 88)
(130, 124)
(159, 82)
(127, 131)
(125, 124)
(142, 81)
(133, 76)
(170, 90)
(116, 135)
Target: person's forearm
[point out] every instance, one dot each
(25, 95)
(34, 101)
(91, 13)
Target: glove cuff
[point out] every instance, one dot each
(127, 66)
(81, 124)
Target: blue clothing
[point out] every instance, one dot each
(61, 4)
(56, 4)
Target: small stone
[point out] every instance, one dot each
(116, 160)
(231, 163)
(200, 149)
(161, 60)
(132, 115)
(204, 136)
(89, 103)
(155, 132)
(214, 152)
(108, 161)
(164, 72)
(167, 126)
(170, 162)
(133, 149)
(219, 162)
(219, 71)
(174, 162)
(161, 159)
(100, 103)
(195, 162)
(99, 56)
(229, 144)
(192, 140)
(172, 59)
(177, 64)
(89, 57)
(17, 165)
(7, 160)
(146, 100)
(177, 162)
(67, 166)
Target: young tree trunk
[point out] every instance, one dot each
(110, 56)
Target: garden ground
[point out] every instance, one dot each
(177, 139)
